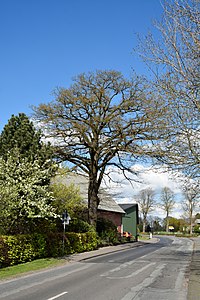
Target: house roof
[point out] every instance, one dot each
(107, 203)
(126, 206)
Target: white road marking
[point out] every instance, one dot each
(40, 282)
(122, 266)
(133, 294)
(57, 296)
(134, 273)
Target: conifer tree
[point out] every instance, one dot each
(20, 135)
(26, 168)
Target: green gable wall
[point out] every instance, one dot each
(130, 220)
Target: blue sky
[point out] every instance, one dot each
(44, 43)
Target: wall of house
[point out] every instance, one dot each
(116, 218)
(129, 220)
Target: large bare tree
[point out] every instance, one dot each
(146, 203)
(102, 119)
(191, 191)
(167, 203)
(173, 57)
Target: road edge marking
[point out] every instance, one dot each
(57, 296)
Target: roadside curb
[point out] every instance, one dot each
(109, 249)
(194, 272)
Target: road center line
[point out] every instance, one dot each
(57, 296)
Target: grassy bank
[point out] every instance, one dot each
(35, 265)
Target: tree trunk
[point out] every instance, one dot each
(191, 229)
(167, 223)
(144, 225)
(93, 201)
(191, 219)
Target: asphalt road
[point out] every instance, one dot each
(154, 271)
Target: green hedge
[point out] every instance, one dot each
(23, 248)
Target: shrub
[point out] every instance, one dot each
(197, 229)
(82, 241)
(80, 226)
(18, 249)
(107, 232)
(91, 240)
(3, 253)
(39, 245)
(23, 248)
(54, 244)
(75, 239)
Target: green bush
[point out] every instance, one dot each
(23, 248)
(40, 245)
(75, 239)
(79, 226)
(197, 229)
(91, 240)
(3, 252)
(18, 249)
(82, 241)
(54, 244)
(107, 232)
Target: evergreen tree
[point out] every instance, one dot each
(20, 133)
(26, 168)
(20, 136)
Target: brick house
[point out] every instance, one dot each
(107, 208)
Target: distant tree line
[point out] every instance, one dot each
(148, 203)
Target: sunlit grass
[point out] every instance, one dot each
(35, 265)
(143, 237)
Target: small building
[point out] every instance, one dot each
(131, 219)
(108, 208)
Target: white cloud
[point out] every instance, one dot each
(155, 177)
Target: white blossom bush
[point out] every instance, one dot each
(23, 191)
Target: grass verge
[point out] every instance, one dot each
(143, 237)
(35, 265)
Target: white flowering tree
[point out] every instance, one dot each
(23, 195)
